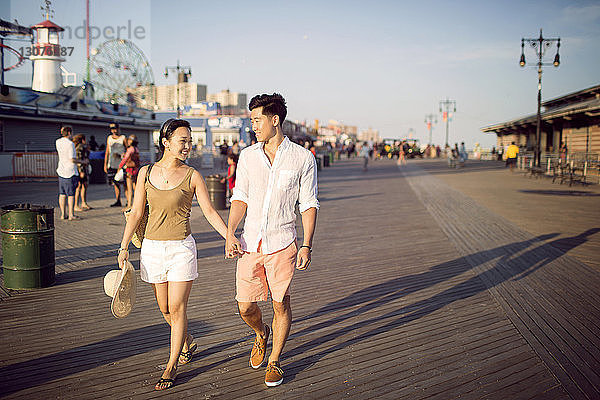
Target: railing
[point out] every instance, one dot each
(34, 165)
(588, 164)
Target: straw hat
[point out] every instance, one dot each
(120, 284)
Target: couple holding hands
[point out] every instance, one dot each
(272, 175)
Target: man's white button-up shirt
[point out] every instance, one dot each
(271, 191)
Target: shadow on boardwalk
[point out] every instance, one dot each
(515, 260)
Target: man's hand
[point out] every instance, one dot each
(105, 168)
(303, 258)
(233, 247)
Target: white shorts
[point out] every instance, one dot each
(168, 260)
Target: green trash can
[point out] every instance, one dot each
(28, 246)
(217, 191)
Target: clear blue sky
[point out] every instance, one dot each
(382, 64)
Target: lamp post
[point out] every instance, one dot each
(430, 119)
(540, 45)
(445, 107)
(183, 73)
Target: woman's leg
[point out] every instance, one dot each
(84, 203)
(129, 192)
(161, 292)
(77, 193)
(177, 298)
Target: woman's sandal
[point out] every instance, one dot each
(169, 384)
(186, 356)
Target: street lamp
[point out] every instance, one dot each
(430, 119)
(183, 73)
(540, 45)
(445, 107)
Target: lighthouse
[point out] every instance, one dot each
(46, 57)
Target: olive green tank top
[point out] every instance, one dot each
(169, 210)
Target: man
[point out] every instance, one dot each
(68, 175)
(511, 156)
(271, 176)
(115, 148)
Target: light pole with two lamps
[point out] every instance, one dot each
(183, 73)
(540, 45)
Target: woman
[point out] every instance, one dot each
(168, 254)
(82, 152)
(131, 160)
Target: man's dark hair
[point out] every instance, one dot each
(272, 104)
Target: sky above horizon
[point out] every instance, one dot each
(382, 65)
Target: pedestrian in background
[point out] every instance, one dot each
(511, 156)
(364, 153)
(115, 148)
(82, 153)
(93, 145)
(230, 178)
(68, 175)
(131, 162)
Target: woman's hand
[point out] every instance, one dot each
(123, 256)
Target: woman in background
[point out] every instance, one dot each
(131, 160)
(82, 152)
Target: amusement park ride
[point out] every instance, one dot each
(115, 69)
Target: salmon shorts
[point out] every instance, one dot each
(259, 274)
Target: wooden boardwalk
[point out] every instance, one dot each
(415, 291)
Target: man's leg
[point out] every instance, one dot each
(252, 316)
(62, 204)
(71, 203)
(282, 321)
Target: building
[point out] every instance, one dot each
(572, 119)
(369, 135)
(232, 103)
(164, 97)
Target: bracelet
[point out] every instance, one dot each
(123, 248)
(308, 247)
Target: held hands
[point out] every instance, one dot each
(233, 247)
(303, 258)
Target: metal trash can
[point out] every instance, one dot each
(216, 191)
(28, 246)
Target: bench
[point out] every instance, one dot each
(560, 170)
(535, 171)
(577, 174)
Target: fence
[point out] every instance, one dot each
(588, 163)
(34, 165)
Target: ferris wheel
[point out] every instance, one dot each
(118, 70)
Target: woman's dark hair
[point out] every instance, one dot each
(78, 138)
(134, 140)
(234, 157)
(272, 104)
(167, 129)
